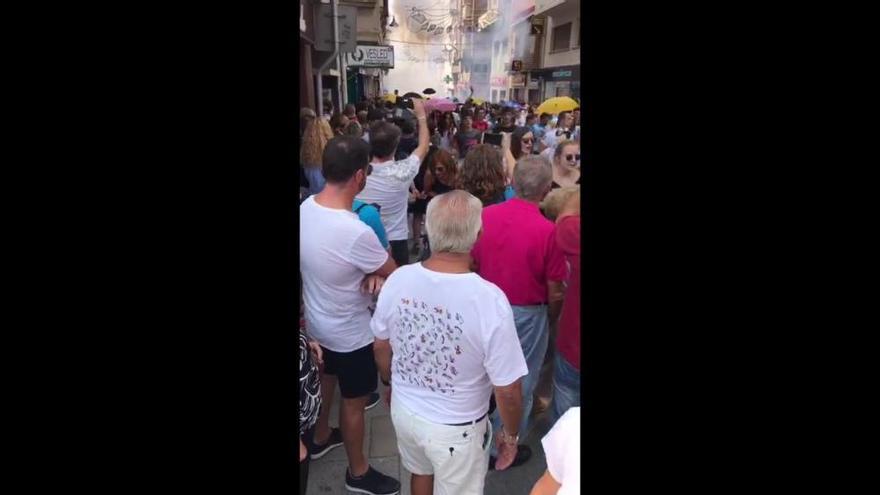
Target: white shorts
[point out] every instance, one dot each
(457, 456)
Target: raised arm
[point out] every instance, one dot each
(424, 136)
(509, 160)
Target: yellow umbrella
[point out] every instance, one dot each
(390, 97)
(478, 101)
(557, 104)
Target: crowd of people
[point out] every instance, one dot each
(486, 200)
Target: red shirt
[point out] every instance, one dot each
(568, 238)
(480, 125)
(518, 252)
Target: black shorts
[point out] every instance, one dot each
(420, 206)
(355, 371)
(400, 252)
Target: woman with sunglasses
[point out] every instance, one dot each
(515, 145)
(566, 164)
(441, 177)
(522, 142)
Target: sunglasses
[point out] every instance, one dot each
(573, 158)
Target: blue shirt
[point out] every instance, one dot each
(509, 193)
(370, 216)
(538, 130)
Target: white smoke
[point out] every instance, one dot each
(418, 40)
(427, 25)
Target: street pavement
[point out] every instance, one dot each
(327, 474)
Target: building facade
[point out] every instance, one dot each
(372, 20)
(307, 98)
(532, 51)
(560, 70)
(364, 23)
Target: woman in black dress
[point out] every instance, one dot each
(441, 177)
(418, 199)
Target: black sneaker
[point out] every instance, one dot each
(372, 482)
(319, 451)
(372, 401)
(523, 454)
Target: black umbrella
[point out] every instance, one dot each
(429, 91)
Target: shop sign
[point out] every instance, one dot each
(571, 73)
(371, 56)
(499, 81)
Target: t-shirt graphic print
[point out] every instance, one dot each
(452, 338)
(429, 338)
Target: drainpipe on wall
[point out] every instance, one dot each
(331, 59)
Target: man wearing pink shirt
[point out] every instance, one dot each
(567, 368)
(518, 252)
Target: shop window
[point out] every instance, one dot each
(561, 38)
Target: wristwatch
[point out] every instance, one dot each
(509, 439)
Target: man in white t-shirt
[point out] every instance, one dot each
(388, 186)
(562, 448)
(445, 340)
(340, 258)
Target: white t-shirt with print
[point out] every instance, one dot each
(563, 452)
(453, 338)
(336, 252)
(388, 186)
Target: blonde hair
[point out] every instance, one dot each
(553, 203)
(315, 138)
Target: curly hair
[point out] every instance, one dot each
(483, 173)
(442, 157)
(314, 140)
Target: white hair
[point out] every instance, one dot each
(532, 177)
(453, 221)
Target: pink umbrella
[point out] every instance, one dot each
(441, 104)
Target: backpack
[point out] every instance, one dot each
(361, 207)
